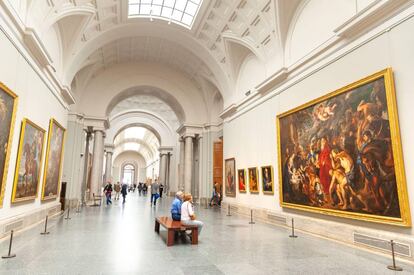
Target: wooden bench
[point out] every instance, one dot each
(174, 226)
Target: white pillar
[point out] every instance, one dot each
(188, 163)
(108, 167)
(85, 167)
(181, 171)
(197, 163)
(97, 163)
(162, 167)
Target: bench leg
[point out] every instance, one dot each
(194, 235)
(170, 237)
(157, 227)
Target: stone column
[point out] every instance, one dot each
(162, 166)
(97, 163)
(85, 166)
(181, 171)
(188, 163)
(108, 167)
(167, 172)
(197, 168)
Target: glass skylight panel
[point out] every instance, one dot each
(182, 12)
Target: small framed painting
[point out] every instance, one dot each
(230, 181)
(267, 180)
(242, 180)
(253, 180)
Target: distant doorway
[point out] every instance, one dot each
(218, 164)
(128, 174)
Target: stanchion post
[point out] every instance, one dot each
(10, 255)
(293, 230)
(228, 210)
(45, 232)
(78, 210)
(67, 216)
(393, 266)
(251, 217)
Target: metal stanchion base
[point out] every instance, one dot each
(44, 233)
(8, 256)
(68, 218)
(94, 205)
(251, 222)
(395, 268)
(293, 236)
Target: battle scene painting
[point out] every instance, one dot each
(337, 154)
(29, 162)
(8, 103)
(230, 177)
(53, 164)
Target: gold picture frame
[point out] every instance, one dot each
(377, 90)
(254, 183)
(241, 173)
(230, 177)
(31, 143)
(8, 100)
(267, 181)
(53, 182)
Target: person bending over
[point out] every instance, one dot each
(188, 216)
(176, 206)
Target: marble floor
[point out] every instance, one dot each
(120, 239)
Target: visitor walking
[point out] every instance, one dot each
(124, 191)
(144, 189)
(188, 216)
(161, 189)
(117, 189)
(216, 198)
(154, 191)
(140, 188)
(108, 193)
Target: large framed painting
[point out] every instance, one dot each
(253, 180)
(29, 162)
(53, 162)
(242, 180)
(341, 154)
(267, 179)
(229, 177)
(8, 105)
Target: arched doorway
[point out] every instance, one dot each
(128, 174)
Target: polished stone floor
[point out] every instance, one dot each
(120, 239)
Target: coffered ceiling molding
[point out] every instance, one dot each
(179, 38)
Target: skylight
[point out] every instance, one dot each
(182, 12)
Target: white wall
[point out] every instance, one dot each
(251, 137)
(37, 103)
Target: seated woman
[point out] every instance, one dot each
(187, 213)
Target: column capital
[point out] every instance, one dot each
(109, 148)
(98, 124)
(187, 130)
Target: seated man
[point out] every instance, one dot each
(176, 206)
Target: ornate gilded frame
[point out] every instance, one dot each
(53, 121)
(273, 179)
(19, 155)
(405, 219)
(244, 177)
(9, 141)
(257, 178)
(230, 194)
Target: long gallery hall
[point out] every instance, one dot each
(206, 137)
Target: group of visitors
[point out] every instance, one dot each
(182, 210)
(123, 189)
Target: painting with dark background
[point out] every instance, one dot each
(337, 153)
(7, 111)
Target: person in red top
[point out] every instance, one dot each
(325, 164)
